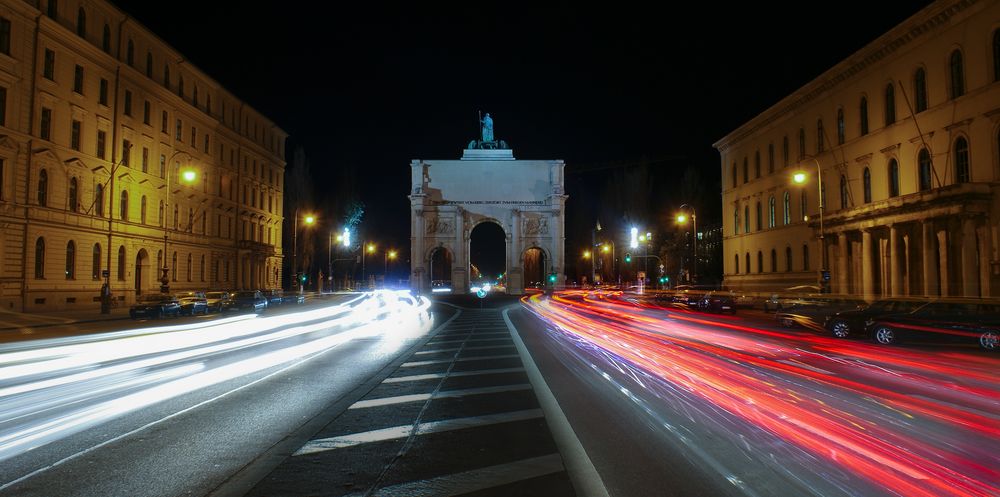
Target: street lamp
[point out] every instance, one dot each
(682, 219)
(188, 176)
(309, 220)
(800, 177)
(367, 248)
(389, 254)
(604, 248)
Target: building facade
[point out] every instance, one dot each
(902, 139)
(118, 158)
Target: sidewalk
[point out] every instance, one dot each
(21, 320)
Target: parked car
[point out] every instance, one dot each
(811, 312)
(790, 295)
(943, 320)
(852, 322)
(215, 300)
(292, 298)
(155, 305)
(718, 301)
(274, 297)
(193, 303)
(246, 300)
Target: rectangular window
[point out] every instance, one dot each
(206, 143)
(126, 153)
(4, 36)
(145, 159)
(163, 122)
(46, 130)
(102, 98)
(163, 166)
(101, 136)
(177, 133)
(128, 103)
(74, 139)
(78, 80)
(145, 112)
(49, 69)
(194, 136)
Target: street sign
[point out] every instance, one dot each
(481, 293)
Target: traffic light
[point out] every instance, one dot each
(552, 278)
(303, 278)
(628, 257)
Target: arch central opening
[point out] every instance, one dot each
(487, 254)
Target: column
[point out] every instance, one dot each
(970, 262)
(417, 253)
(460, 270)
(929, 259)
(895, 271)
(843, 285)
(982, 233)
(515, 278)
(866, 264)
(946, 281)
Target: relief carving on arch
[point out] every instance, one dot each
(439, 226)
(536, 225)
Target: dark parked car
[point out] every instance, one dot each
(246, 300)
(216, 300)
(156, 305)
(852, 322)
(812, 312)
(193, 303)
(717, 301)
(274, 297)
(944, 320)
(293, 298)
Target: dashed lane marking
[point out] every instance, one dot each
(474, 480)
(444, 394)
(397, 432)
(445, 361)
(434, 376)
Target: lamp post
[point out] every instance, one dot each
(309, 220)
(389, 254)
(800, 178)
(614, 273)
(681, 218)
(187, 176)
(364, 250)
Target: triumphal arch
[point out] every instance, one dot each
(449, 198)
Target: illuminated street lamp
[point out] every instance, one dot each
(800, 177)
(188, 176)
(682, 219)
(309, 220)
(389, 254)
(366, 249)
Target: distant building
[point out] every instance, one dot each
(86, 91)
(906, 133)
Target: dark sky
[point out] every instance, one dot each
(368, 86)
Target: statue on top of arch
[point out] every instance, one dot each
(487, 141)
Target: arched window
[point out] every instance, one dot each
(747, 260)
(123, 207)
(736, 259)
(864, 116)
(996, 55)
(121, 263)
(40, 258)
(962, 161)
(788, 259)
(805, 257)
(160, 215)
(819, 136)
(189, 266)
(74, 191)
(81, 23)
(893, 178)
(99, 200)
(867, 181)
(756, 164)
(746, 170)
(180, 87)
(802, 142)
(956, 75)
(843, 191)
(166, 76)
(43, 188)
(149, 64)
(736, 221)
(770, 212)
(142, 210)
(787, 207)
(734, 176)
(890, 104)
(746, 219)
(760, 261)
(920, 90)
(194, 97)
(774, 261)
(784, 151)
(95, 262)
(173, 267)
(106, 39)
(202, 267)
(760, 218)
(770, 158)
(803, 205)
(924, 169)
(840, 126)
(70, 260)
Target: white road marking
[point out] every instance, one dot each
(483, 347)
(586, 480)
(460, 359)
(505, 337)
(443, 394)
(434, 376)
(474, 480)
(397, 432)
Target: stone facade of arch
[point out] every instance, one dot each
(448, 198)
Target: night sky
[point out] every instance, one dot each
(365, 87)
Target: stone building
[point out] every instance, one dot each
(119, 158)
(905, 133)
